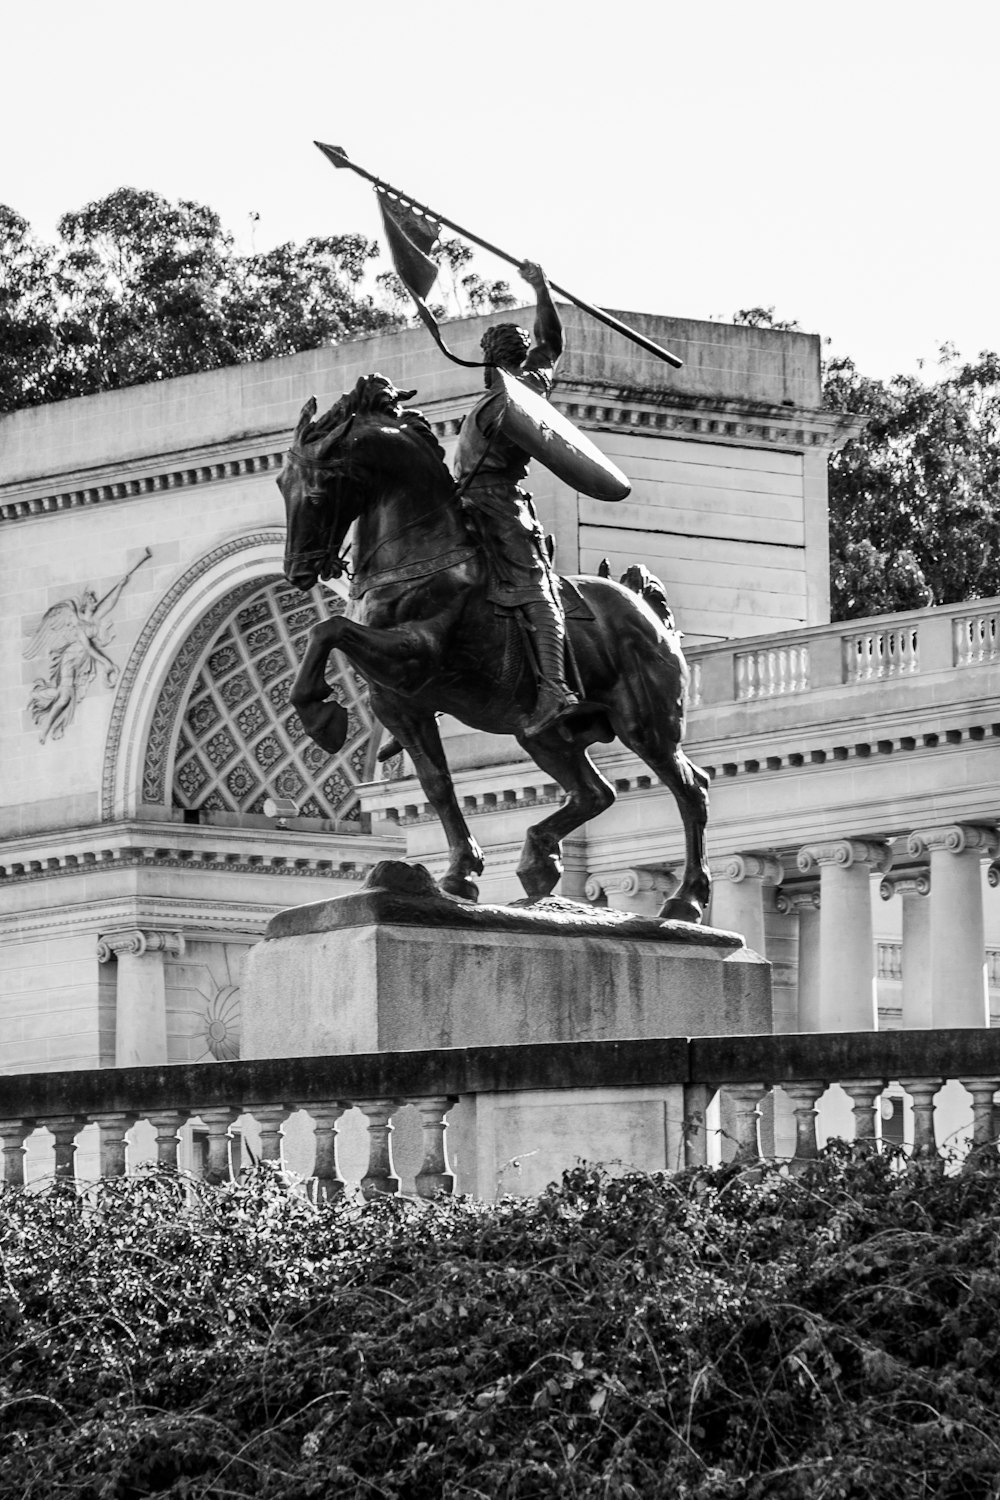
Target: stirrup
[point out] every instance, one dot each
(544, 717)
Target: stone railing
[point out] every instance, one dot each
(889, 962)
(744, 1069)
(848, 652)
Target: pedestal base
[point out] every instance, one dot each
(401, 967)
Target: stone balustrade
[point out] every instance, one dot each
(848, 652)
(745, 1069)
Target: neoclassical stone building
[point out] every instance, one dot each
(146, 737)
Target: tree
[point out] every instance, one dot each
(915, 500)
(140, 289)
(27, 313)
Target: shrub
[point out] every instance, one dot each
(699, 1336)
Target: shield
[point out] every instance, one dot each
(528, 420)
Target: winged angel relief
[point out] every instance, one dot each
(72, 636)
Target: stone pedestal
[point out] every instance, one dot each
(400, 967)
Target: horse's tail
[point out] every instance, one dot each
(650, 589)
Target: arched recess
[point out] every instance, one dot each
(201, 717)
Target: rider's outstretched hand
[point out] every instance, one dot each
(533, 274)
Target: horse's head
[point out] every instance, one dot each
(323, 478)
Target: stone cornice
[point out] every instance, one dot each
(207, 848)
(763, 753)
(209, 920)
(140, 477)
(594, 406)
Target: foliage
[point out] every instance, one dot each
(763, 317)
(704, 1336)
(139, 289)
(915, 500)
(914, 513)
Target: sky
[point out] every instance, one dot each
(836, 162)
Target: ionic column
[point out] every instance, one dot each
(847, 949)
(802, 900)
(957, 944)
(738, 883)
(141, 997)
(914, 887)
(641, 889)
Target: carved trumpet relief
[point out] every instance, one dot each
(71, 638)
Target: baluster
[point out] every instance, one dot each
(270, 1118)
(64, 1129)
(697, 1098)
(329, 1182)
(167, 1123)
(380, 1178)
(217, 1123)
(922, 1091)
(960, 642)
(804, 1096)
(746, 1099)
(113, 1127)
(982, 1153)
(435, 1175)
(13, 1134)
(863, 1093)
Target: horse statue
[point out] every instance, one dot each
(424, 633)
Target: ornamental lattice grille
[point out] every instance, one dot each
(240, 741)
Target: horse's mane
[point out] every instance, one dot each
(374, 395)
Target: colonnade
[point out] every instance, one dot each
(823, 890)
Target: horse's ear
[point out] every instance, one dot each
(405, 395)
(305, 417)
(333, 439)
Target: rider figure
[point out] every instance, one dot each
(491, 470)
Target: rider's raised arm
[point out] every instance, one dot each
(548, 325)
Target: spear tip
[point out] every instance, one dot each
(333, 153)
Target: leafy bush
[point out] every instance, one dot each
(700, 1336)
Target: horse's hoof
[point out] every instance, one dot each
(325, 724)
(461, 886)
(679, 910)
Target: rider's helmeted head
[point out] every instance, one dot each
(506, 345)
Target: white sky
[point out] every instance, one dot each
(838, 161)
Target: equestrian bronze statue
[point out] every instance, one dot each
(447, 617)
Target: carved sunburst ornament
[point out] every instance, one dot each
(220, 1027)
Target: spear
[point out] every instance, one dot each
(338, 156)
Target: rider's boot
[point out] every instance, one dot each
(555, 696)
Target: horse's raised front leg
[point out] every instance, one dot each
(323, 718)
(421, 738)
(374, 652)
(588, 794)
